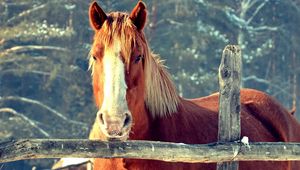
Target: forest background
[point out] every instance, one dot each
(45, 85)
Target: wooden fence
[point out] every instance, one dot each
(226, 152)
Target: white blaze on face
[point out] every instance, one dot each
(114, 82)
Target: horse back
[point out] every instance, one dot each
(265, 109)
(258, 108)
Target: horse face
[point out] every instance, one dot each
(118, 77)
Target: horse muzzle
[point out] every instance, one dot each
(116, 126)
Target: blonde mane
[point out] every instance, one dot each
(161, 98)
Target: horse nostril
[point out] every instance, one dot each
(127, 120)
(101, 118)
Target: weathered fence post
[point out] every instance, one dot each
(229, 100)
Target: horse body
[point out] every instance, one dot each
(197, 123)
(137, 99)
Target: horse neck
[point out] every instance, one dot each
(160, 101)
(190, 124)
(141, 125)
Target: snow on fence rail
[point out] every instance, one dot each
(229, 149)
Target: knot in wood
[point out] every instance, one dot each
(226, 73)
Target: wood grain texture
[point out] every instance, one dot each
(171, 152)
(229, 100)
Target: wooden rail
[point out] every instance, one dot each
(171, 152)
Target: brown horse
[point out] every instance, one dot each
(137, 99)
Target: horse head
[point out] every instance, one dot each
(117, 64)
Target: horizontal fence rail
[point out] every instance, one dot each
(171, 152)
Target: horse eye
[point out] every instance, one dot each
(94, 57)
(138, 58)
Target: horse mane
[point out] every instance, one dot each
(161, 98)
(161, 95)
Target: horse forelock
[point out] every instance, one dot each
(161, 98)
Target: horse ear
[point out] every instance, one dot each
(139, 15)
(97, 16)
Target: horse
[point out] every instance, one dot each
(137, 100)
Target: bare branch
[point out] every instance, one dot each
(285, 90)
(25, 13)
(210, 6)
(27, 100)
(4, 12)
(43, 73)
(240, 22)
(256, 11)
(164, 151)
(262, 28)
(173, 22)
(12, 60)
(22, 49)
(260, 80)
(18, 3)
(245, 5)
(25, 118)
(249, 4)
